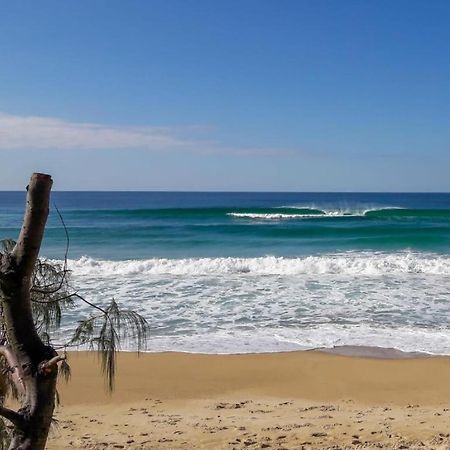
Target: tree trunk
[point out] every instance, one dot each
(32, 364)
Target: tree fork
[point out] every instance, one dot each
(33, 365)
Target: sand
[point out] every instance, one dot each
(295, 400)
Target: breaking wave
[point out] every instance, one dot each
(317, 213)
(357, 263)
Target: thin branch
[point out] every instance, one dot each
(55, 360)
(14, 417)
(64, 271)
(49, 290)
(47, 366)
(67, 236)
(93, 305)
(65, 346)
(56, 300)
(46, 291)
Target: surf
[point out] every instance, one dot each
(351, 263)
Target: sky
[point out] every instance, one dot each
(228, 95)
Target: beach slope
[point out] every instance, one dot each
(292, 400)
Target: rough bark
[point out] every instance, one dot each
(32, 364)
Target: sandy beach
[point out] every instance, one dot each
(294, 400)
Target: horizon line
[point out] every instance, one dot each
(229, 192)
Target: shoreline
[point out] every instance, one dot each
(357, 351)
(374, 352)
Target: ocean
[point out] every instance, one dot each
(259, 272)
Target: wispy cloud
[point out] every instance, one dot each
(48, 133)
(33, 132)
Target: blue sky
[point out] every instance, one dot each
(285, 95)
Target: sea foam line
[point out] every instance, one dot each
(361, 263)
(405, 339)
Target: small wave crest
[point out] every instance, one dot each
(317, 213)
(302, 212)
(269, 216)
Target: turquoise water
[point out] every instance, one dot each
(234, 272)
(143, 225)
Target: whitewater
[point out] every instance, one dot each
(258, 272)
(236, 305)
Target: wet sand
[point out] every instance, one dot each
(294, 400)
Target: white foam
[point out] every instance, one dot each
(406, 339)
(235, 305)
(357, 263)
(281, 216)
(274, 216)
(319, 213)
